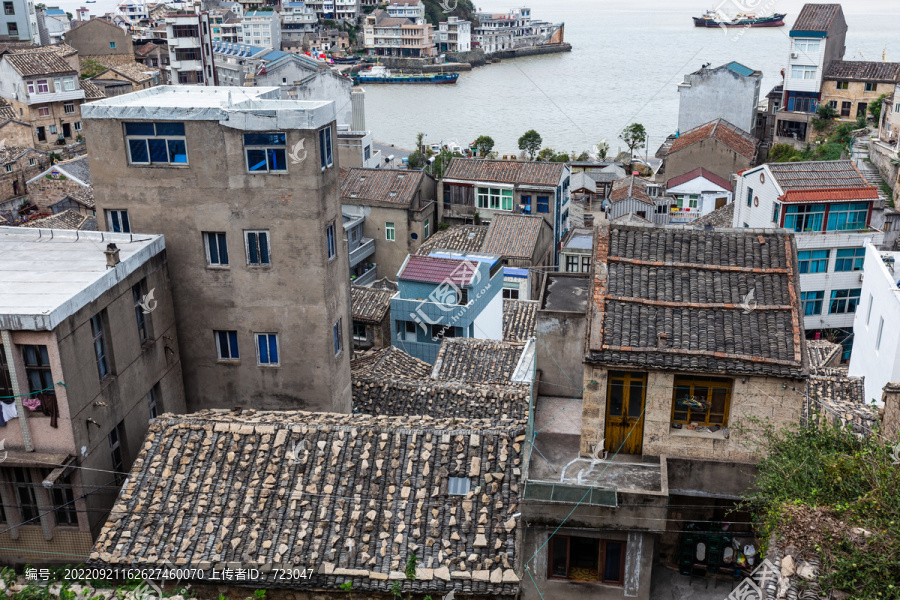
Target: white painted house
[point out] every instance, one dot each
(829, 204)
(696, 193)
(876, 345)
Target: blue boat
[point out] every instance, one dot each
(380, 74)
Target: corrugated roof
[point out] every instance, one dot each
(817, 175)
(430, 269)
(860, 70)
(699, 172)
(816, 17)
(732, 136)
(369, 305)
(29, 64)
(505, 171)
(393, 186)
(513, 235)
(676, 298)
(740, 69)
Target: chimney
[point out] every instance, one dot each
(112, 255)
(358, 109)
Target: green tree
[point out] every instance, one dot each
(826, 112)
(420, 141)
(546, 154)
(583, 157)
(484, 145)
(634, 136)
(602, 150)
(875, 108)
(530, 143)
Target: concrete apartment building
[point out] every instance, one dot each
(297, 20)
(400, 213)
(516, 29)
(817, 39)
(400, 30)
(217, 18)
(262, 28)
(729, 92)
(657, 359)
(454, 35)
(191, 60)
(88, 349)
(876, 344)
(18, 22)
(850, 87)
(338, 10)
(44, 90)
(244, 187)
(830, 207)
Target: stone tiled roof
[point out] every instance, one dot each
(369, 305)
(380, 185)
(477, 361)
(518, 319)
(145, 49)
(11, 153)
(294, 489)
(678, 298)
(607, 174)
(83, 196)
(133, 71)
(390, 363)
(732, 136)
(513, 236)
(62, 49)
(6, 110)
(841, 400)
(380, 395)
(721, 217)
(28, 64)
(819, 177)
(816, 17)
(67, 219)
(505, 171)
(91, 90)
(860, 70)
(462, 238)
(821, 354)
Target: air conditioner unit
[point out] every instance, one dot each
(794, 55)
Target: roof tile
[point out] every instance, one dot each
(513, 235)
(732, 136)
(505, 171)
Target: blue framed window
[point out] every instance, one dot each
(812, 302)
(526, 205)
(850, 259)
(326, 156)
(267, 349)
(329, 240)
(849, 216)
(844, 301)
(813, 261)
(227, 345)
(156, 143)
(543, 204)
(749, 196)
(266, 152)
(257, 246)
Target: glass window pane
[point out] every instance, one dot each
(263, 345)
(256, 159)
(252, 248)
(613, 568)
(223, 248)
(177, 151)
(264, 247)
(158, 152)
(169, 129)
(719, 401)
(277, 159)
(138, 151)
(139, 129)
(273, 348)
(560, 559)
(635, 396)
(616, 398)
(232, 338)
(213, 247)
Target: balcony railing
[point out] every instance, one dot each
(366, 277)
(365, 249)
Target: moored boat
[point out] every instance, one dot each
(715, 19)
(380, 74)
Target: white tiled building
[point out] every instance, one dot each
(876, 345)
(830, 206)
(454, 35)
(19, 21)
(190, 51)
(262, 28)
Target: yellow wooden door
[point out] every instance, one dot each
(625, 412)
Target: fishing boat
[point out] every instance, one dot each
(345, 60)
(380, 74)
(715, 19)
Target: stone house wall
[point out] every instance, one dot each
(891, 424)
(44, 192)
(762, 397)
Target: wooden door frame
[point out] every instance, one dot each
(626, 377)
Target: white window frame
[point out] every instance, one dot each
(427, 228)
(67, 106)
(31, 162)
(805, 72)
(9, 168)
(210, 235)
(265, 148)
(43, 111)
(804, 45)
(326, 148)
(261, 263)
(43, 83)
(268, 339)
(145, 138)
(120, 213)
(76, 125)
(331, 241)
(390, 231)
(219, 356)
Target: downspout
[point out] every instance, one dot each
(14, 380)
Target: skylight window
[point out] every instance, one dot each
(459, 486)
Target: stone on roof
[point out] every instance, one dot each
(861, 70)
(10, 153)
(732, 136)
(506, 171)
(721, 217)
(67, 219)
(389, 363)
(7, 112)
(513, 235)
(675, 298)
(461, 238)
(145, 49)
(816, 17)
(470, 360)
(369, 305)
(518, 319)
(32, 63)
(290, 488)
(822, 355)
(62, 49)
(840, 400)
(76, 169)
(84, 196)
(393, 186)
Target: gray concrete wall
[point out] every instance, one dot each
(711, 154)
(93, 38)
(299, 296)
(560, 351)
(718, 93)
(389, 255)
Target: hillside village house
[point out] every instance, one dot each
(370, 309)
(65, 186)
(44, 90)
(487, 188)
(718, 146)
(154, 57)
(399, 30)
(525, 243)
(88, 355)
(17, 165)
(669, 368)
(641, 198)
(697, 193)
(829, 205)
(729, 92)
(850, 87)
